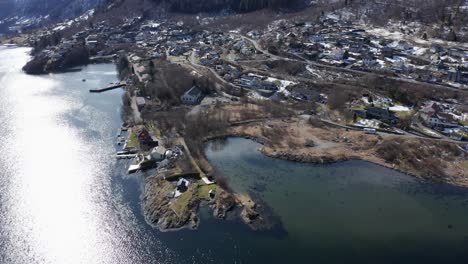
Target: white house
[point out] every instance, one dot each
(192, 96)
(158, 153)
(91, 41)
(440, 120)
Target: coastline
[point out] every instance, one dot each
(249, 213)
(329, 156)
(347, 146)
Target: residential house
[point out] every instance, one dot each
(356, 48)
(312, 55)
(317, 38)
(91, 41)
(193, 96)
(158, 153)
(140, 102)
(337, 54)
(253, 82)
(145, 139)
(454, 75)
(369, 60)
(303, 94)
(387, 52)
(177, 50)
(401, 46)
(440, 120)
(182, 186)
(433, 116)
(382, 114)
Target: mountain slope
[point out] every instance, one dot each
(206, 6)
(55, 9)
(189, 6)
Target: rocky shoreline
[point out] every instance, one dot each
(328, 160)
(162, 213)
(157, 209)
(43, 64)
(347, 152)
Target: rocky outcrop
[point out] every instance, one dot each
(159, 211)
(260, 217)
(223, 203)
(166, 213)
(42, 63)
(303, 158)
(36, 66)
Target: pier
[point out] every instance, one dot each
(108, 88)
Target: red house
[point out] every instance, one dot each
(145, 139)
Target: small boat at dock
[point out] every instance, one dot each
(125, 152)
(126, 156)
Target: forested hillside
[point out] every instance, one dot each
(55, 9)
(190, 6)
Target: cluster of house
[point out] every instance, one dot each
(157, 155)
(445, 119)
(253, 82)
(58, 52)
(139, 67)
(160, 158)
(244, 47)
(340, 43)
(228, 72)
(330, 41)
(438, 118)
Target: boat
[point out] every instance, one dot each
(126, 156)
(126, 152)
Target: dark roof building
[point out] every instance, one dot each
(382, 115)
(192, 96)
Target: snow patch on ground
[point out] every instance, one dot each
(313, 71)
(399, 108)
(368, 123)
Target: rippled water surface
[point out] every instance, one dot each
(351, 212)
(58, 200)
(65, 199)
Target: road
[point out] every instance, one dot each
(325, 117)
(136, 112)
(193, 63)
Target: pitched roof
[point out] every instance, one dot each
(194, 91)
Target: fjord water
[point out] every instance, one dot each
(58, 200)
(350, 212)
(65, 199)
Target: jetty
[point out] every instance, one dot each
(108, 88)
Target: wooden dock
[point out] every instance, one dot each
(108, 88)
